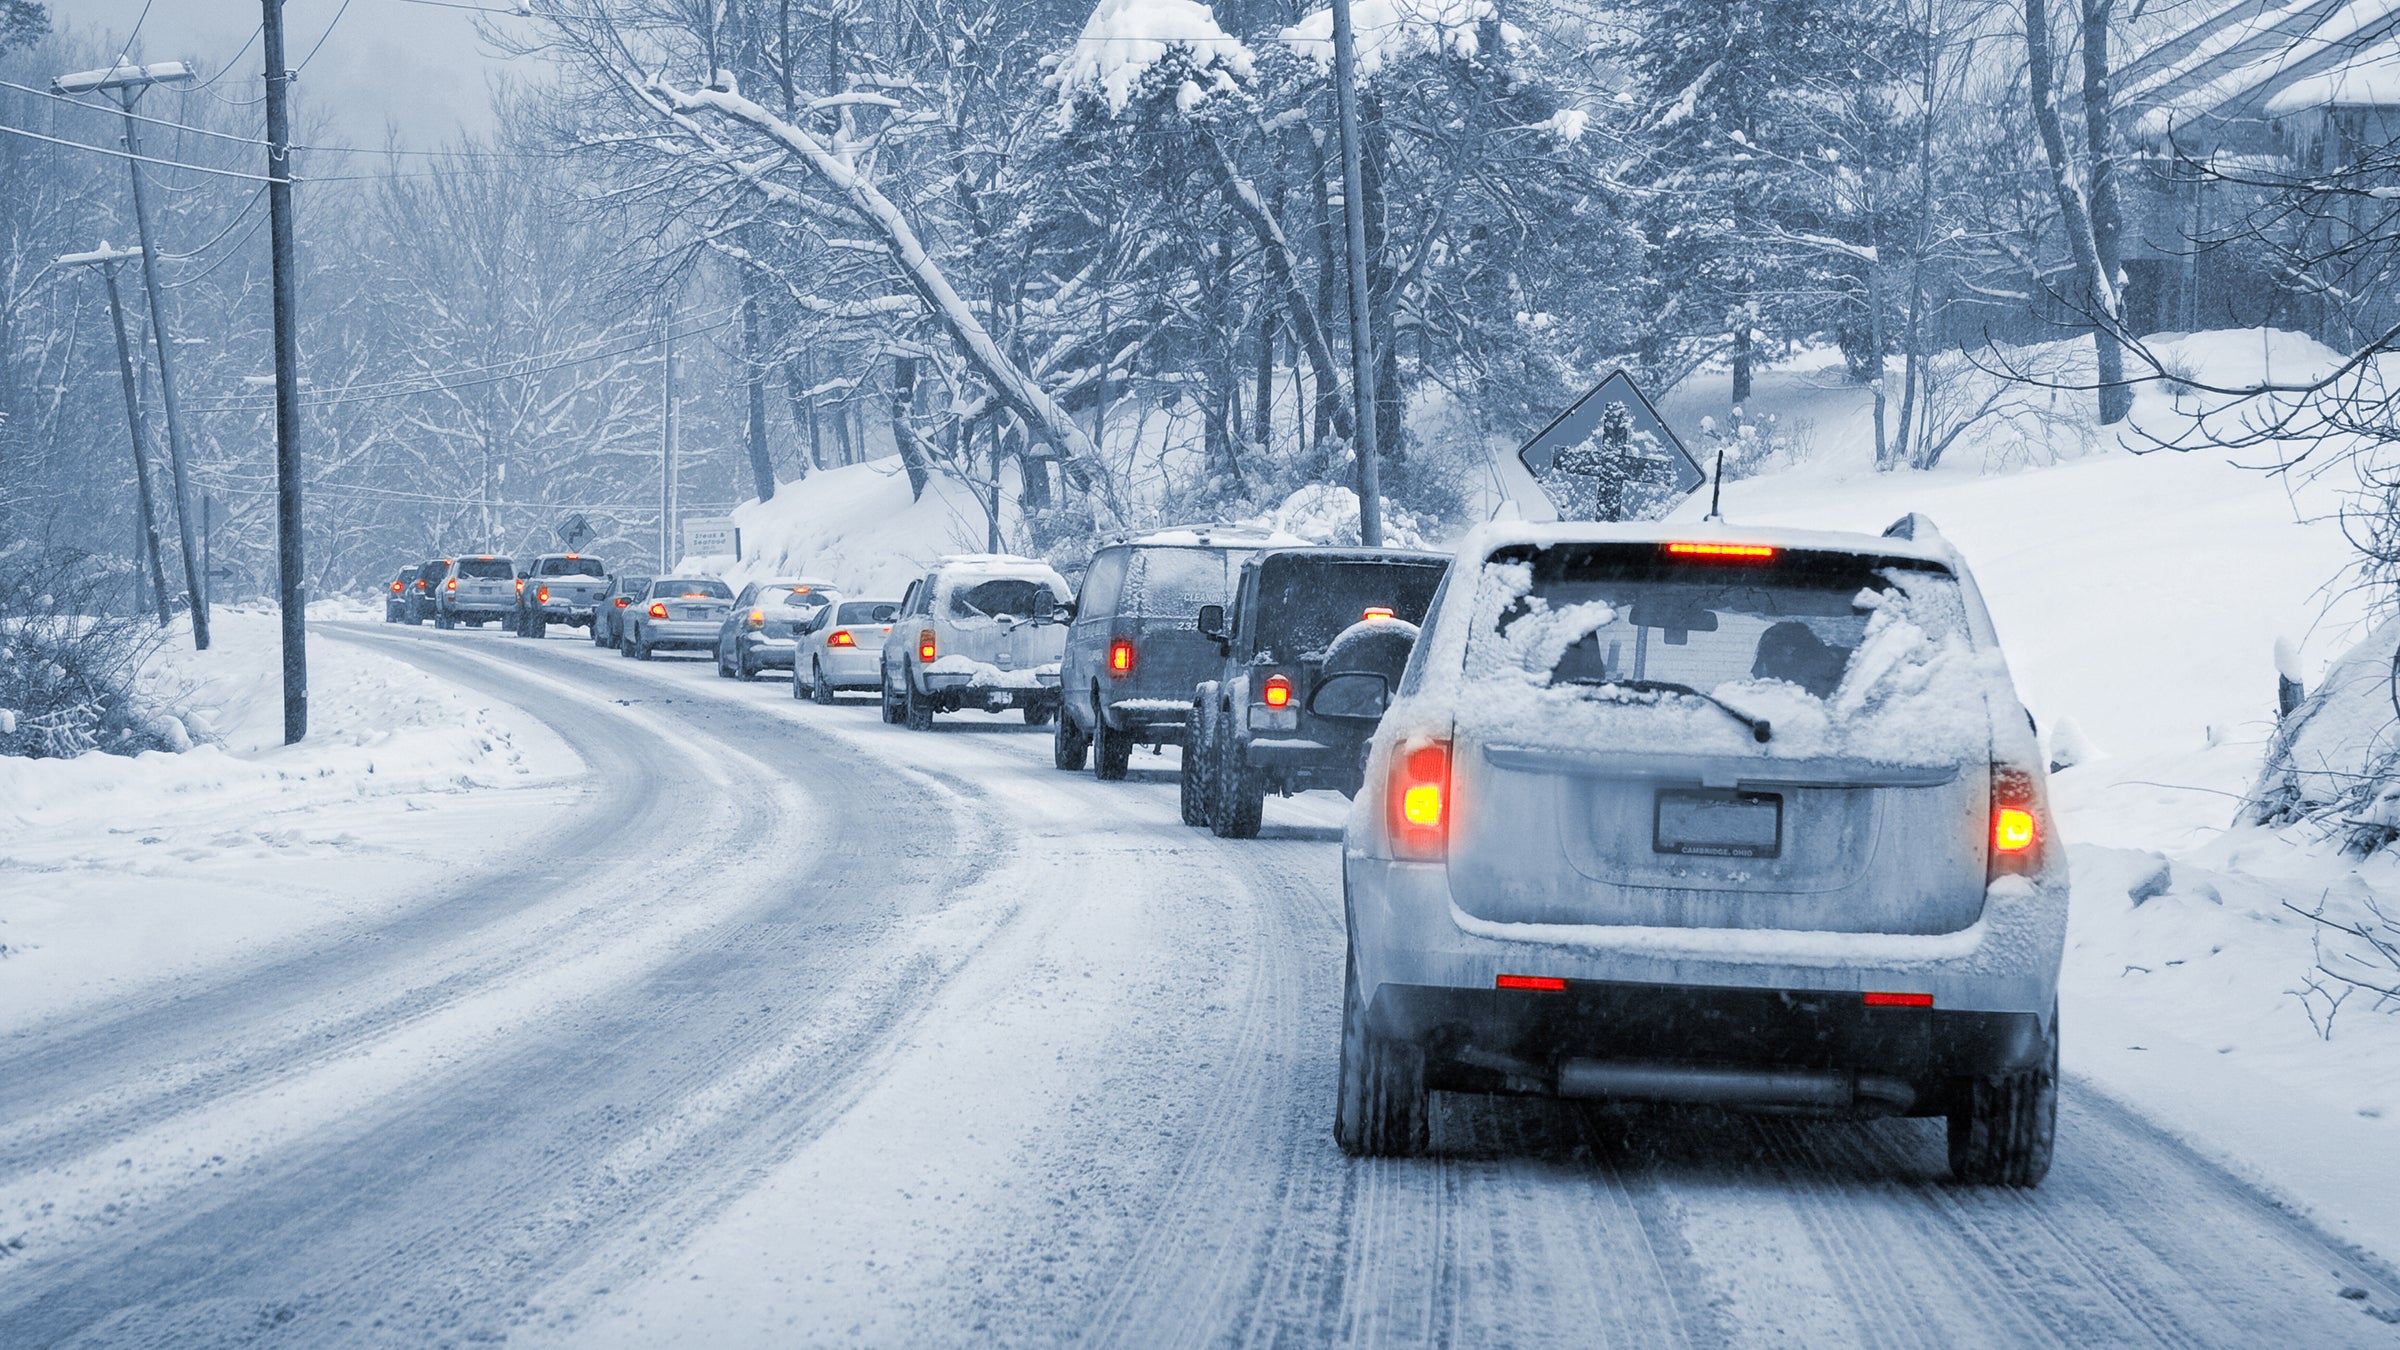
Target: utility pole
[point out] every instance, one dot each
(289, 594)
(666, 443)
(1362, 330)
(107, 259)
(128, 81)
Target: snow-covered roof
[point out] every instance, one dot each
(1242, 535)
(2264, 58)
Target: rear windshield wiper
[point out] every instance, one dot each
(1760, 728)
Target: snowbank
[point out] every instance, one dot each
(855, 525)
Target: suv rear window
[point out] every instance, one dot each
(569, 567)
(1304, 603)
(1820, 644)
(1173, 583)
(487, 569)
(1019, 597)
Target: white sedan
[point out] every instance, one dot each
(844, 650)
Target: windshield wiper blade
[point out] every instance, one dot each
(1760, 728)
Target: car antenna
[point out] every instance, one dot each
(1716, 491)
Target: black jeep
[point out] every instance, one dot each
(1299, 615)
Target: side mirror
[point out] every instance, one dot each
(1212, 624)
(1352, 696)
(1063, 613)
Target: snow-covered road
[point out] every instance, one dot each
(800, 1028)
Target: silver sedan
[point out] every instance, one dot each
(682, 612)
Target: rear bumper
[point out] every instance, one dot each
(1733, 1046)
(1150, 720)
(947, 682)
(669, 633)
(1407, 932)
(851, 668)
(767, 651)
(567, 611)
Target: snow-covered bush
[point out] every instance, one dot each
(70, 670)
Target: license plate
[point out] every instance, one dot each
(1711, 823)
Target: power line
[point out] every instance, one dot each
(312, 52)
(470, 384)
(111, 111)
(146, 159)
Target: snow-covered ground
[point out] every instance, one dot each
(116, 872)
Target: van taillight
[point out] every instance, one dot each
(2016, 832)
(840, 637)
(1278, 691)
(1418, 801)
(658, 609)
(1120, 657)
(925, 650)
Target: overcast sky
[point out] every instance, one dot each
(418, 68)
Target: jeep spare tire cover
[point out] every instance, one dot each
(1378, 645)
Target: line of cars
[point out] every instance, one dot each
(1739, 818)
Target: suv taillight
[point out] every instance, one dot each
(395, 588)
(925, 649)
(451, 584)
(541, 595)
(1120, 657)
(1417, 800)
(1278, 691)
(2016, 842)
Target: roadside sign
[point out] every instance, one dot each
(710, 537)
(1644, 435)
(575, 532)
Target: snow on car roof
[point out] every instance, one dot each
(996, 565)
(1927, 546)
(1240, 536)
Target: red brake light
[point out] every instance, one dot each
(1278, 692)
(1376, 612)
(395, 588)
(1875, 1000)
(925, 646)
(1120, 657)
(658, 609)
(802, 590)
(623, 601)
(1547, 984)
(520, 585)
(1723, 552)
(1418, 799)
(2012, 829)
(840, 637)
(541, 595)
(572, 557)
(758, 618)
(451, 584)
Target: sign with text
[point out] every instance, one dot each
(710, 537)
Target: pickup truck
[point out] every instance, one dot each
(559, 588)
(1299, 614)
(480, 589)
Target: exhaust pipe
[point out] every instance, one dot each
(1787, 1089)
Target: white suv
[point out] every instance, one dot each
(981, 631)
(1750, 818)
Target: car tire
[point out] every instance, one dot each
(820, 689)
(1237, 802)
(641, 648)
(1191, 782)
(1068, 745)
(918, 712)
(599, 639)
(1112, 753)
(743, 667)
(443, 622)
(1382, 1109)
(2003, 1128)
(538, 628)
(892, 708)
